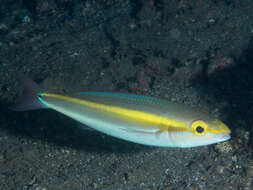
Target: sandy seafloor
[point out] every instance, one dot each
(198, 53)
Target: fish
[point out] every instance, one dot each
(140, 119)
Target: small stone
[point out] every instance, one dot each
(3, 29)
(220, 169)
(234, 158)
(32, 182)
(246, 136)
(43, 7)
(11, 44)
(212, 20)
(132, 25)
(249, 171)
(26, 19)
(95, 185)
(224, 147)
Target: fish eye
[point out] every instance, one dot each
(199, 127)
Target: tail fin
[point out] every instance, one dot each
(29, 100)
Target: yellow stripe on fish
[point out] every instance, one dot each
(163, 123)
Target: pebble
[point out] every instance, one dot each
(224, 147)
(249, 171)
(3, 29)
(26, 19)
(32, 182)
(220, 169)
(132, 25)
(234, 158)
(212, 20)
(11, 44)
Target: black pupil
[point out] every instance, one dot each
(199, 129)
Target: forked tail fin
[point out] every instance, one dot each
(29, 100)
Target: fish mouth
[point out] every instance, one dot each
(224, 137)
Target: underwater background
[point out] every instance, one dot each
(199, 53)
